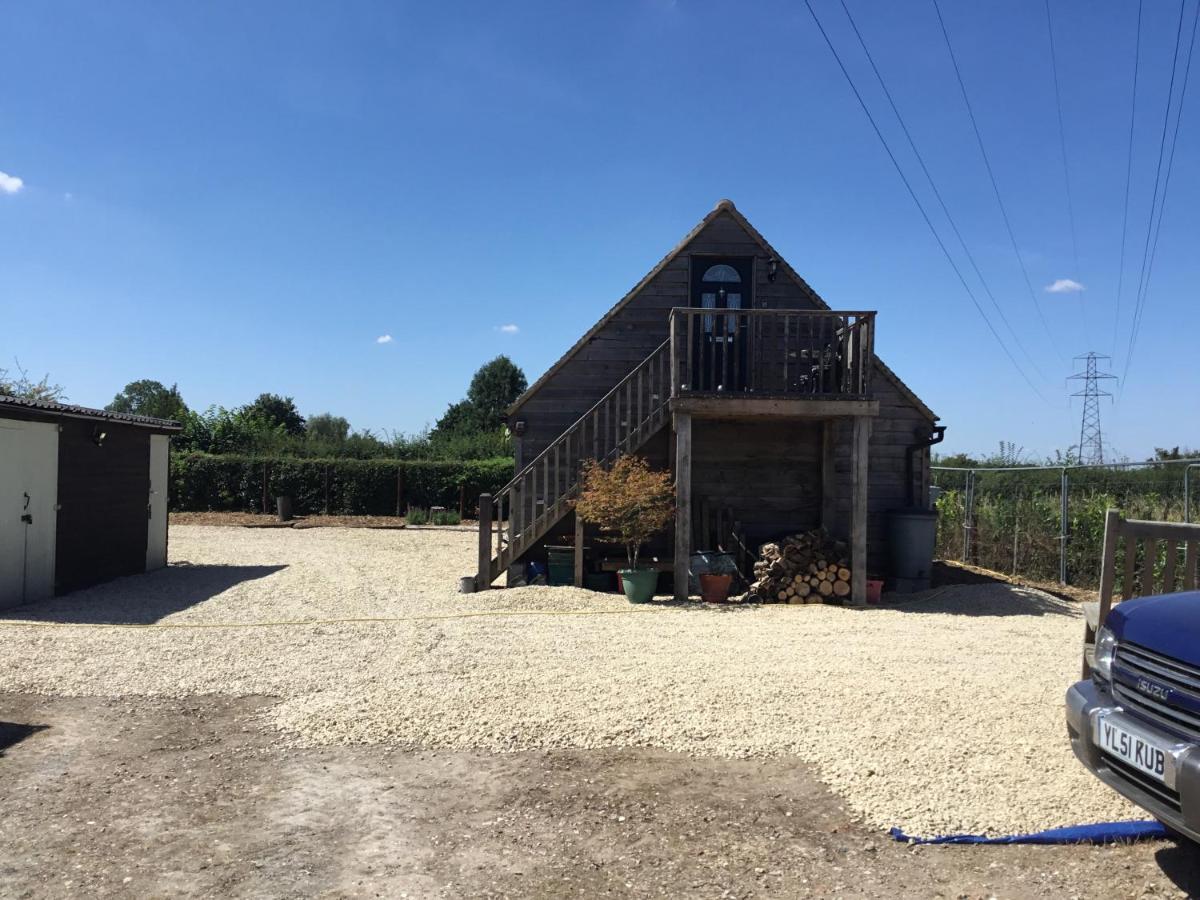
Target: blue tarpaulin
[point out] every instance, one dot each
(1099, 833)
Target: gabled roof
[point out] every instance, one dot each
(727, 207)
(70, 411)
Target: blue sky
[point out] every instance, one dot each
(246, 197)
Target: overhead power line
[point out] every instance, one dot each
(1157, 202)
(992, 177)
(920, 206)
(1137, 52)
(1062, 141)
(937, 193)
(1187, 70)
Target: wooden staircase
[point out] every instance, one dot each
(538, 497)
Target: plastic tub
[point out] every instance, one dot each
(562, 566)
(874, 591)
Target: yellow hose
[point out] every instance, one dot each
(351, 621)
(358, 621)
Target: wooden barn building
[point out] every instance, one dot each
(770, 407)
(83, 497)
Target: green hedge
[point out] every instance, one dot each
(201, 482)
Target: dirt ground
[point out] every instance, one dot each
(137, 798)
(952, 572)
(362, 638)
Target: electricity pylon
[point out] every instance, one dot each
(1091, 440)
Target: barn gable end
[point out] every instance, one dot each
(638, 322)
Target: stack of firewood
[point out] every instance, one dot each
(802, 568)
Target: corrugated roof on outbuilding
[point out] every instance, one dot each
(47, 409)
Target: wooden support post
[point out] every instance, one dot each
(672, 387)
(462, 502)
(326, 488)
(858, 516)
(483, 578)
(683, 502)
(399, 491)
(829, 480)
(1108, 561)
(578, 551)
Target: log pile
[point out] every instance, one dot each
(802, 568)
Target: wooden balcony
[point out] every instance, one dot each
(772, 355)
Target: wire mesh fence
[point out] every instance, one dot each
(1047, 523)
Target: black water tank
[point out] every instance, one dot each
(912, 534)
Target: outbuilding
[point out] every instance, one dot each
(83, 497)
(770, 408)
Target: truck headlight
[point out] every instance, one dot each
(1106, 648)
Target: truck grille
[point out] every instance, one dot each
(1180, 712)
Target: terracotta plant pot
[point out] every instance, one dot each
(639, 584)
(715, 588)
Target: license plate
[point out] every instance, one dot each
(1136, 748)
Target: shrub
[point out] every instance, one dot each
(628, 500)
(1018, 516)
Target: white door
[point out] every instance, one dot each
(156, 509)
(28, 510)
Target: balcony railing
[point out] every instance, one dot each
(772, 353)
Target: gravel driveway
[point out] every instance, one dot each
(942, 715)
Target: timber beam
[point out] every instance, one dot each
(683, 502)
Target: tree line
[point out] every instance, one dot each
(1009, 454)
(272, 425)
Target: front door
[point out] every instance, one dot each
(28, 510)
(720, 354)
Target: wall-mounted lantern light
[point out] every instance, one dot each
(98, 436)
(772, 269)
(519, 427)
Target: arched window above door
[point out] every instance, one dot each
(721, 273)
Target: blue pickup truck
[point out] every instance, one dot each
(1136, 723)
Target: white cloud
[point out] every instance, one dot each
(384, 339)
(1064, 286)
(507, 329)
(10, 184)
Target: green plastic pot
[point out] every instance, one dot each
(639, 584)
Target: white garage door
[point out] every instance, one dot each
(28, 501)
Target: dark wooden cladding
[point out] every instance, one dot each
(103, 492)
(785, 353)
(892, 431)
(767, 474)
(635, 330)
